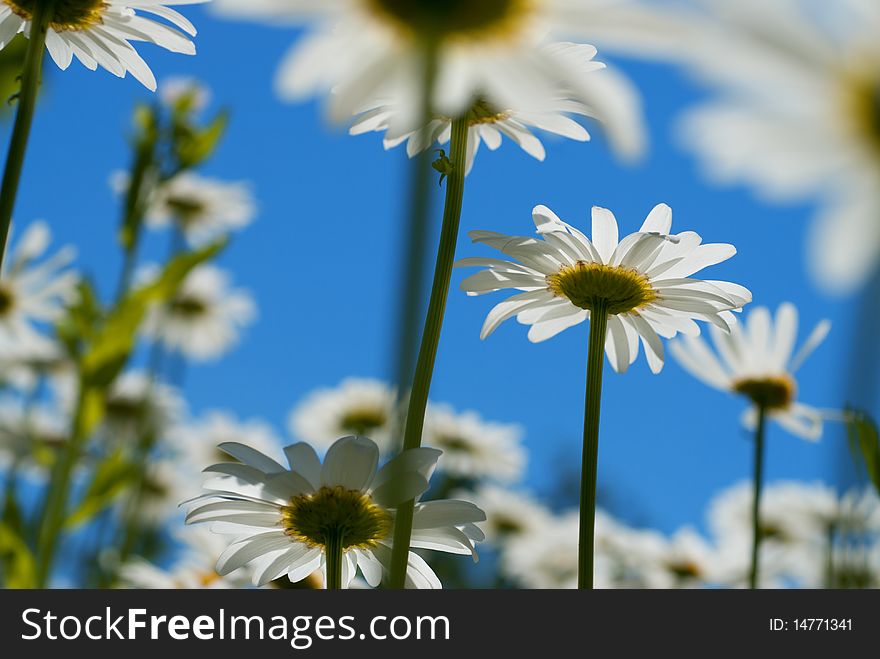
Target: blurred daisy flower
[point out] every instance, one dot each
(796, 115)
(203, 209)
(136, 405)
(33, 290)
(298, 520)
(756, 359)
(474, 449)
(357, 406)
(204, 319)
(645, 281)
(510, 515)
(194, 568)
(31, 437)
(364, 50)
(196, 442)
(98, 32)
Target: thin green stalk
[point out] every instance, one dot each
(333, 550)
(24, 117)
(52, 515)
(132, 222)
(418, 399)
(590, 457)
(830, 534)
(415, 254)
(756, 500)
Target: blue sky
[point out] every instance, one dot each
(322, 262)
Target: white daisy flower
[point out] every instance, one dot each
(685, 560)
(286, 521)
(796, 115)
(33, 290)
(31, 436)
(357, 406)
(489, 124)
(789, 532)
(509, 514)
(205, 317)
(98, 32)
(756, 359)
(193, 569)
(370, 49)
(202, 208)
(645, 282)
(474, 448)
(196, 442)
(136, 404)
(176, 88)
(26, 359)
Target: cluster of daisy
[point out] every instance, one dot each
(814, 538)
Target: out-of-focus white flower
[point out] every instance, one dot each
(31, 436)
(796, 115)
(194, 568)
(197, 442)
(357, 406)
(202, 208)
(474, 448)
(98, 32)
(757, 360)
(204, 319)
(510, 515)
(176, 88)
(33, 290)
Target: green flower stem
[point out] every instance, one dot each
(334, 559)
(418, 399)
(140, 186)
(24, 117)
(830, 534)
(595, 364)
(52, 515)
(415, 255)
(756, 500)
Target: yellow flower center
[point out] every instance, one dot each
(335, 512)
(771, 393)
(439, 20)
(453, 444)
(861, 99)
(586, 284)
(188, 307)
(684, 570)
(363, 421)
(7, 300)
(482, 112)
(185, 209)
(66, 14)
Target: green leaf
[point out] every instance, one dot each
(110, 480)
(114, 341)
(78, 324)
(19, 565)
(193, 146)
(864, 442)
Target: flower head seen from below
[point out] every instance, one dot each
(357, 406)
(205, 318)
(602, 95)
(644, 282)
(510, 515)
(203, 209)
(34, 290)
(287, 521)
(801, 122)
(99, 32)
(366, 50)
(474, 449)
(757, 360)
